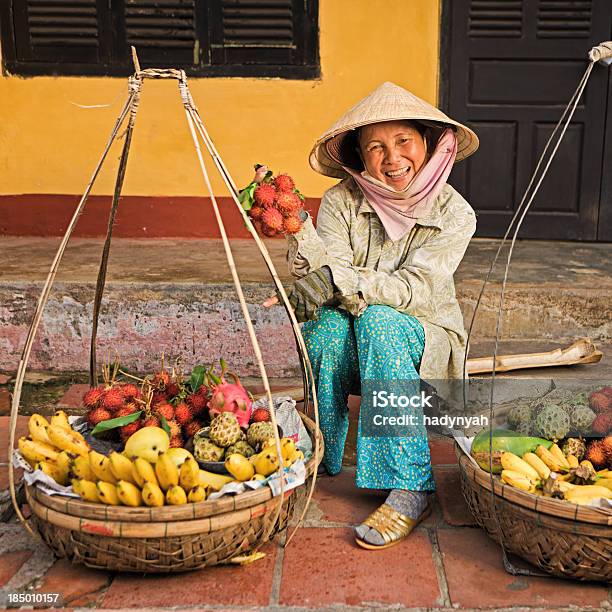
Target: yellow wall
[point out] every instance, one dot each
(48, 144)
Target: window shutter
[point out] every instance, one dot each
(60, 31)
(275, 32)
(495, 18)
(564, 18)
(163, 32)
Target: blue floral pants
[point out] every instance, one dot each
(381, 344)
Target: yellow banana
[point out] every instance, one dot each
(289, 450)
(143, 471)
(80, 468)
(50, 469)
(537, 464)
(129, 494)
(107, 492)
(121, 467)
(196, 494)
(605, 473)
(512, 462)
(34, 451)
(63, 464)
(239, 467)
(214, 481)
(573, 461)
(67, 439)
(166, 471)
(605, 482)
(176, 496)
(558, 453)
(189, 474)
(258, 477)
(86, 489)
(60, 419)
(518, 480)
(37, 425)
(548, 458)
(266, 462)
(100, 466)
(587, 493)
(152, 495)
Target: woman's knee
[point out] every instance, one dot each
(331, 330)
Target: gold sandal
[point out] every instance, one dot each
(392, 526)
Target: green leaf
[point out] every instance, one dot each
(114, 423)
(197, 377)
(164, 424)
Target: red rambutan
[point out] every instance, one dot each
(607, 391)
(152, 421)
(172, 390)
(602, 423)
(596, 454)
(265, 194)
(130, 391)
(165, 410)
(266, 230)
(607, 444)
(160, 380)
(256, 212)
(272, 218)
(130, 428)
(259, 415)
(175, 428)
(92, 398)
(182, 413)
(191, 429)
(126, 410)
(600, 401)
(176, 442)
(283, 182)
(288, 202)
(113, 399)
(197, 402)
(292, 225)
(97, 415)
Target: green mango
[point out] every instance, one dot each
(503, 440)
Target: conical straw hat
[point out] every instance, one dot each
(389, 102)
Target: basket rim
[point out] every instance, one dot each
(72, 507)
(560, 509)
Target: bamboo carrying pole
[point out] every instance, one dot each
(196, 127)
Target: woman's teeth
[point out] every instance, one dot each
(397, 173)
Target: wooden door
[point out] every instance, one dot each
(510, 68)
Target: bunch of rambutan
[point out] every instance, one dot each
(599, 453)
(600, 402)
(273, 203)
(165, 400)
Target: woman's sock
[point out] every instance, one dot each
(410, 503)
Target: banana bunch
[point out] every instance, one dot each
(551, 473)
(52, 446)
(118, 480)
(266, 462)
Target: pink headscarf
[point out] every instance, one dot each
(399, 210)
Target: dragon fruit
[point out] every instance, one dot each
(231, 397)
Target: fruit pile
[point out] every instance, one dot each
(180, 407)
(543, 467)
(148, 472)
(273, 203)
(562, 412)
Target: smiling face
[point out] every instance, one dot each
(392, 152)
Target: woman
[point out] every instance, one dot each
(376, 285)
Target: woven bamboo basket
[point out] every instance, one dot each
(562, 539)
(165, 539)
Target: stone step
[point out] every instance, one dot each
(177, 297)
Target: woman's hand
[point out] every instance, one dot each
(308, 293)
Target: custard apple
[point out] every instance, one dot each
(258, 433)
(581, 418)
(519, 414)
(206, 450)
(552, 423)
(242, 448)
(224, 429)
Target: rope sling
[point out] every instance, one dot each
(198, 131)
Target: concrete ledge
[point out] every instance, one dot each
(177, 297)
